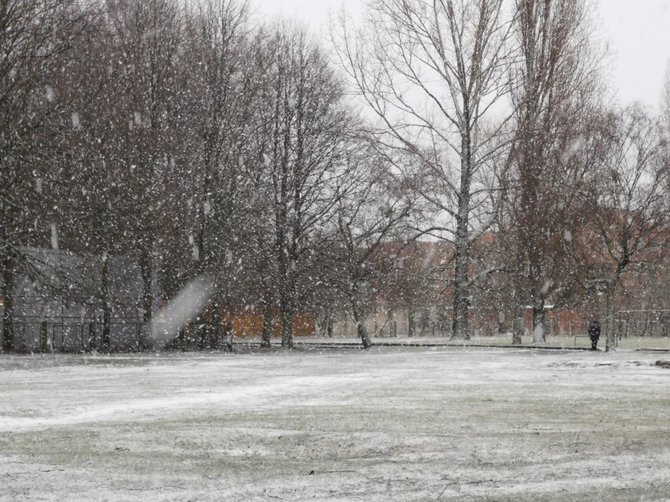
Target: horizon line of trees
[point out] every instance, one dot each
(204, 143)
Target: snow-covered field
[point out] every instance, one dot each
(385, 424)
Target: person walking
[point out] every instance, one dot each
(594, 333)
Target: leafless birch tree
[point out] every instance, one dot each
(434, 73)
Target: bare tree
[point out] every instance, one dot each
(368, 216)
(629, 206)
(34, 36)
(149, 37)
(556, 84)
(434, 73)
(93, 197)
(220, 102)
(224, 85)
(306, 124)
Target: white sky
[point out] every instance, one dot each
(638, 32)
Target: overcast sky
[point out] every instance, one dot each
(638, 33)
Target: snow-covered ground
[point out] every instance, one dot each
(385, 424)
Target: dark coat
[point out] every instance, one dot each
(594, 330)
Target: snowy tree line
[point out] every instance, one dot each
(204, 143)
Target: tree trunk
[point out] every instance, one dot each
(517, 324)
(216, 336)
(517, 306)
(363, 334)
(442, 320)
(517, 330)
(106, 314)
(8, 268)
(286, 308)
(610, 340)
(326, 328)
(460, 323)
(146, 271)
(266, 336)
(539, 317)
(411, 323)
(329, 326)
(329, 322)
(181, 339)
(201, 331)
(361, 330)
(287, 327)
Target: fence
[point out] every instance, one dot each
(643, 327)
(125, 335)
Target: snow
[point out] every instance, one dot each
(54, 236)
(384, 424)
(572, 148)
(76, 121)
(190, 301)
(49, 93)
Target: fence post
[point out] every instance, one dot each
(82, 336)
(229, 335)
(43, 336)
(91, 334)
(139, 336)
